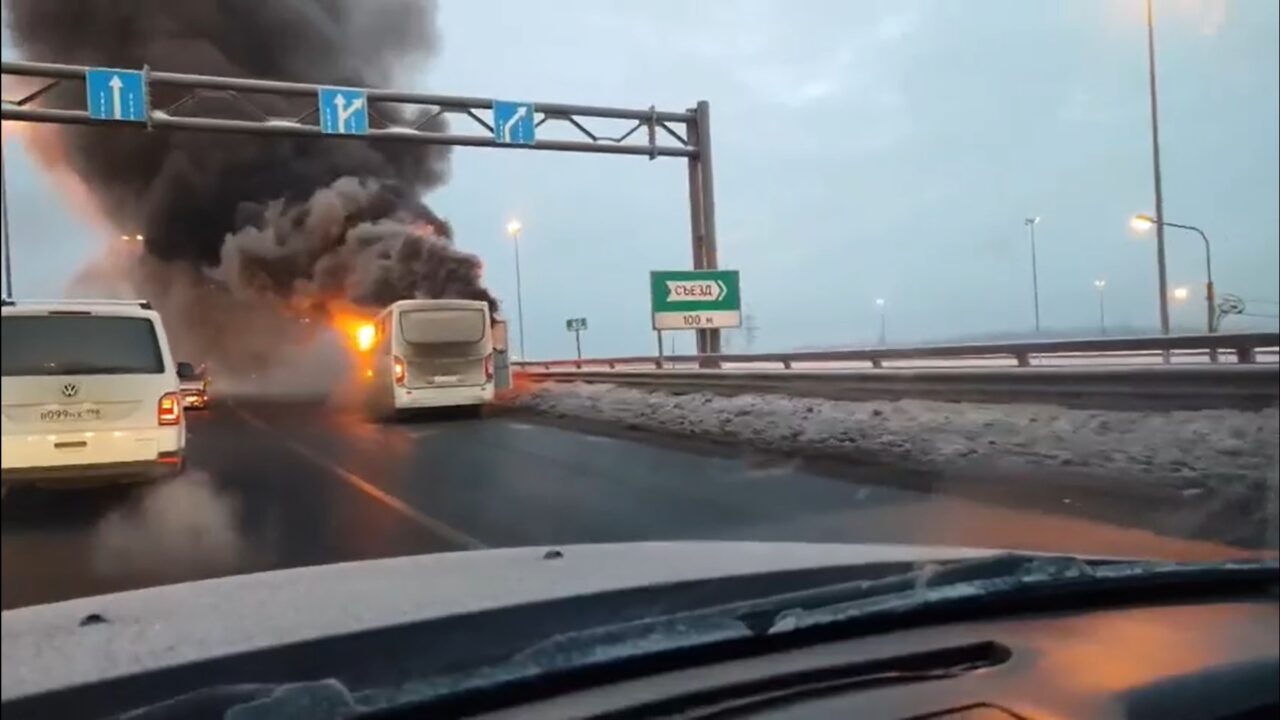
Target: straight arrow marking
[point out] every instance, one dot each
(115, 84)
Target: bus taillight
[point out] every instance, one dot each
(397, 369)
(488, 367)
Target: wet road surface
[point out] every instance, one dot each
(276, 485)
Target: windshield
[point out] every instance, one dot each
(79, 345)
(728, 288)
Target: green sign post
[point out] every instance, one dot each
(695, 299)
(576, 326)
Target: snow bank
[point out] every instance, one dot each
(1198, 447)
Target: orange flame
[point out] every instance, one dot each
(355, 326)
(352, 322)
(365, 336)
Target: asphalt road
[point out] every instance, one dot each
(284, 485)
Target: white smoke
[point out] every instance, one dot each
(176, 530)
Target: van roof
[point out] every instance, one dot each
(123, 308)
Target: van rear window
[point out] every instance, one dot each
(79, 345)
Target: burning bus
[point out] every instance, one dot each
(419, 354)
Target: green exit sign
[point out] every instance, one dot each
(695, 299)
(575, 324)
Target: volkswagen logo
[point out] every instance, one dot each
(70, 390)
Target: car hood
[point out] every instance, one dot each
(48, 647)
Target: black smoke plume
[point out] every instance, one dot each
(234, 223)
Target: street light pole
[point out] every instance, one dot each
(1035, 273)
(1102, 305)
(1155, 168)
(880, 304)
(1210, 301)
(1141, 222)
(513, 228)
(4, 225)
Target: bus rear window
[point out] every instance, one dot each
(432, 327)
(79, 345)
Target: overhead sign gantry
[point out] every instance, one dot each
(126, 96)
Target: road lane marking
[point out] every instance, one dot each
(439, 528)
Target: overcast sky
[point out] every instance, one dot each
(862, 149)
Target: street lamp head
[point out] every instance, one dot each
(1181, 293)
(138, 238)
(1031, 221)
(879, 302)
(514, 227)
(1099, 284)
(1142, 223)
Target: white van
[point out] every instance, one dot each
(430, 353)
(90, 394)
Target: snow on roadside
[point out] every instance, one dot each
(1197, 447)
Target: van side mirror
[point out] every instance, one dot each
(186, 371)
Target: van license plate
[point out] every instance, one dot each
(60, 415)
(444, 379)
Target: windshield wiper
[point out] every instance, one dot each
(996, 585)
(320, 699)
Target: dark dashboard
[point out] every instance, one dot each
(1205, 661)
(1002, 637)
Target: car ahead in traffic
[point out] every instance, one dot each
(667, 629)
(194, 385)
(90, 394)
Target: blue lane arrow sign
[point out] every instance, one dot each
(113, 94)
(343, 111)
(513, 123)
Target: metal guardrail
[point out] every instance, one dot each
(1241, 384)
(1244, 347)
(1121, 388)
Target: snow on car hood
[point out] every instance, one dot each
(45, 647)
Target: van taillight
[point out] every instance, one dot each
(488, 367)
(397, 369)
(169, 411)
